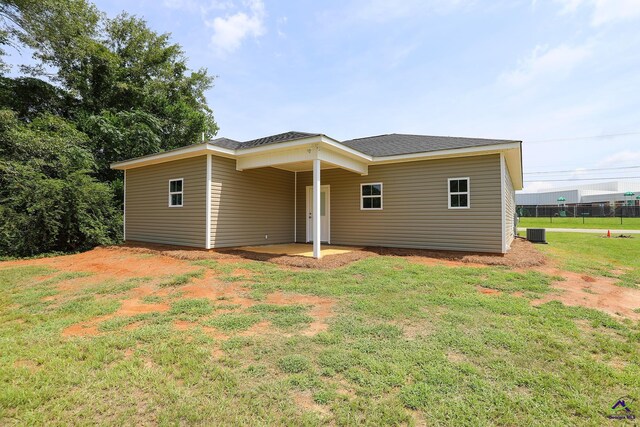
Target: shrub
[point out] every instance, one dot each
(48, 199)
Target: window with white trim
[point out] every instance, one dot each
(458, 193)
(371, 196)
(176, 189)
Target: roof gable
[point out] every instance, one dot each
(267, 140)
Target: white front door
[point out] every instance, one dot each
(324, 214)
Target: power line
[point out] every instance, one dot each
(581, 170)
(582, 179)
(575, 138)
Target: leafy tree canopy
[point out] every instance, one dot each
(102, 90)
(111, 66)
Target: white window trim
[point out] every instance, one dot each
(468, 193)
(176, 192)
(362, 208)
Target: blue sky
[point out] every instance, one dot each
(528, 70)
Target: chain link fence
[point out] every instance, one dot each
(582, 210)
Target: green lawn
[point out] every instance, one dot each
(595, 255)
(605, 223)
(407, 344)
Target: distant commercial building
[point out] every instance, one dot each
(610, 193)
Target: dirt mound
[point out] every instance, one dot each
(522, 254)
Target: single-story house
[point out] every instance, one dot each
(407, 191)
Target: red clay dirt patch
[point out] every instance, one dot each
(322, 309)
(130, 307)
(488, 291)
(220, 293)
(600, 293)
(209, 287)
(107, 263)
(113, 262)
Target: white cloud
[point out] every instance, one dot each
(198, 6)
(569, 6)
(607, 11)
(621, 158)
(604, 11)
(229, 32)
(385, 10)
(281, 23)
(543, 62)
(537, 186)
(180, 4)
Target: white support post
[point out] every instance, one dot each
(316, 208)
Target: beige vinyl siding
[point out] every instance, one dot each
(247, 205)
(149, 217)
(509, 207)
(415, 210)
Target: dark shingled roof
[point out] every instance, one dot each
(274, 139)
(226, 143)
(395, 144)
(377, 146)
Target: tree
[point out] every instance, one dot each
(30, 97)
(103, 90)
(112, 66)
(151, 104)
(48, 199)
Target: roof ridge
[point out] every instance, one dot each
(430, 136)
(279, 134)
(372, 136)
(219, 138)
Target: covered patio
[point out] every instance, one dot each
(308, 154)
(299, 249)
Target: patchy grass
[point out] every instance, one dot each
(407, 344)
(192, 307)
(557, 222)
(595, 255)
(182, 279)
(233, 321)
(294, 363)
(285, 317)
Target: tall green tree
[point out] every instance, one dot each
(102, 90)
(119, 72)
(148, 101)
(48, 199)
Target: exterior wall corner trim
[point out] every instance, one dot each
(207, 237)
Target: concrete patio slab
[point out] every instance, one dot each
(299, 249)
